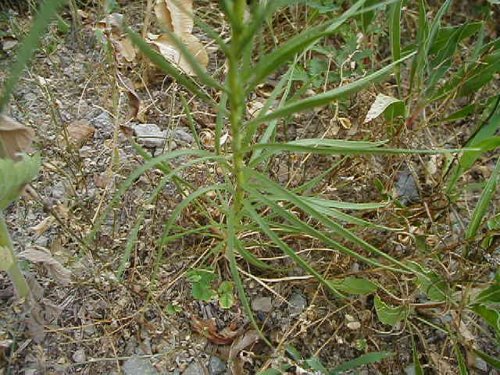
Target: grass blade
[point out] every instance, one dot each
(395, 37)
(46, 13)
(362, 360)
(328, 96)
(157, 59)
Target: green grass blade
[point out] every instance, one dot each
(174, 216)
(362, 360)
(45, 14)
(484, 203)
(134, 233)
(328, 96)
(287, 249)
(272, 61)
(302, 227)
(276, 189)
(233, 266)
(148, 165)
(395, 36)
(167, 67)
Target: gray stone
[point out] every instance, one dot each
(216, 366)
(263, 304)
(481, 364)
(79, 356)
(297, 303)
(194, 368)
(406, 188)
(149, 135)
(103, 122)
(137, 365)
(183, 136)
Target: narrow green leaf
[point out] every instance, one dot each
(328, 96)
(233, 266)
(395, 36)
(492, 361)
(490, 316)
(389, 315)
(489, 295)
(362, 360)
(272, 61)
(157, 59)
(287, 249)
(462, 365)
(484, 202)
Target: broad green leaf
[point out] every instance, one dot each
(489, 295)
(362, 360)
(14, 175)
(226, 297)
(490, 316)
(388, 314)
(354, 285)
(315, 364)
(201, 281)
(446, 33)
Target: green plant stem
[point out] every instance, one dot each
(13, 270)
(237, 104)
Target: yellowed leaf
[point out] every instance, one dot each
(6, 260)
(43, 226)
(15, 138)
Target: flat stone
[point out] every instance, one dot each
(216, 366)
(138, 365)
(264, 304)
(406, 188)
(182, 136)
(297, 303)
(149, 135)
(194, 368)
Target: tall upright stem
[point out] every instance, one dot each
(8, 256)
(237, 102)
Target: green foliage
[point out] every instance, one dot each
(354, 285)
(14, 176)
(388, 314)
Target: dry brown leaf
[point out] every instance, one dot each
(43, 256)
(80, 132)
(126, 49)
(133, 99)
(168, 50)
(175, 15)
(42, 227)
(112, 23)
(208, 329)
(15, 138)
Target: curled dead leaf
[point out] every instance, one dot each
(43, 256)
(15, 138)
(175, 15)
(208, 328)
(167, 49)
